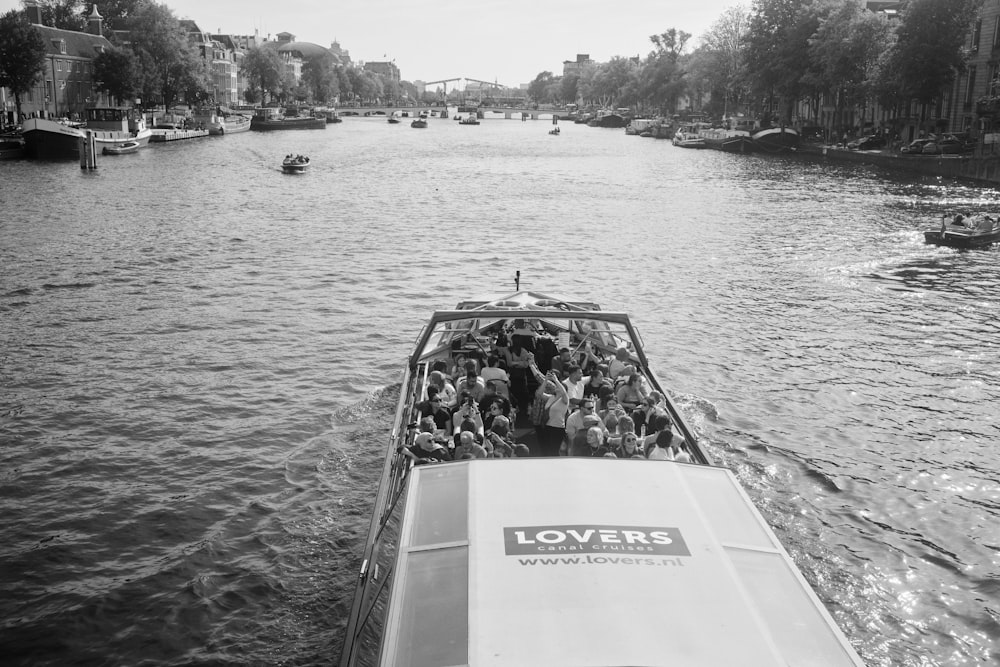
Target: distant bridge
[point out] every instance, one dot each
(489, 111)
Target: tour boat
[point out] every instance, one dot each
(110, 126)
(294, 164)
(574, 560)
(962, 232)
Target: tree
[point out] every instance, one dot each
(568, 88)
(117, 73)
(22, 55)
(64, 14)
(114, 12)
(168, 63)
(660, 80)
(724, 58)
(844, 53)
(539, 86)
(262, 68)
(319, 74)
(777, 51)
(929, 54)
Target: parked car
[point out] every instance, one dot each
(869, 143)
(916, 147)
(949, 144)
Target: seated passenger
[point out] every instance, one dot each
(492, 404)
(619, 363)
(521, 451)
(663, 437)
(628, 448)
(446, 390)
(496, 374)
(468, 412)
(498, 441)
(434, 408)
(579, 419)
(589, 443)
(630, 394)
(467, 445)
(425, 450)
(458, 369)
(471, 384)
(595, 383)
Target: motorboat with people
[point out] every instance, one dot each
(962, 231)
(420, 122)
(554, 131)
(468, 120)
(294, 164)
(124, 148)
(482, 558)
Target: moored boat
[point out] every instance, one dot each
(294, 164)
(689, 135)
(734, 136)
(965, 232)
(776, 139)
(11, 147)
(267, 120)
(218, 122)
(606, 118)
(123, 148)
(110, 126)
(478, 561)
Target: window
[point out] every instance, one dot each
(975, 34)
(996, 33)
(970, 86)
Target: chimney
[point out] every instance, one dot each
(95, 23)
(34, 12)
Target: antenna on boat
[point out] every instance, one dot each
(517, 281)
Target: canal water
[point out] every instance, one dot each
(199, 361)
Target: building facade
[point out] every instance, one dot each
(66, 87)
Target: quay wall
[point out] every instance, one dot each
(983, 169)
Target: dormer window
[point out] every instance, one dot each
(59, 44)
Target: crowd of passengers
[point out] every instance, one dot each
(579, 405)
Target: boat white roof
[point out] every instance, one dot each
(596, 562)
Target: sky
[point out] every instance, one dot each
(509, 42)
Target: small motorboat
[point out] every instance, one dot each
(123, 148)
(393, 120)
(960, 231)
(295, 164)
(419, 122)
(554, 131)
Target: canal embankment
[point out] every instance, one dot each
(978, 168)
